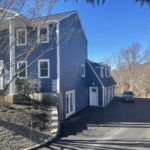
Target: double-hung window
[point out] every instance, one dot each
(43, 34)
(22, 69)
(82, 70)
(21, 36)
(43, 68)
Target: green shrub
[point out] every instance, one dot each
(23, 88)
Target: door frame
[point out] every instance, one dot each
(91, 99)
(68, 93)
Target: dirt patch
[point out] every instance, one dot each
(24, 125)
(26, 114)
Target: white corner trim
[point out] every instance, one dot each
(39, 75)
(38, 33)
(58, 57)
(18, 30)
(12, 58)
(26, 72)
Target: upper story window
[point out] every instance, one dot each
(22, 69)
(21, 37)
(82, 70)
(102, 72)
(43, 68)
(43, 34)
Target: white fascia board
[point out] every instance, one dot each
(96, 74)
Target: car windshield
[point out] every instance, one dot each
(128, 93)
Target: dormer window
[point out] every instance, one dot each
(82, 70)
(22, 69)
(43, 34)
(102, 75)
(21, 37)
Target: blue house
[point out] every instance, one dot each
(53, 49)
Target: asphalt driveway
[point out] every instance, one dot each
(120, 126)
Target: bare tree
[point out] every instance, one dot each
(131, 72)
(131, 56)
(10, 11)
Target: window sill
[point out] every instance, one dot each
(44, 77)
(21, 44)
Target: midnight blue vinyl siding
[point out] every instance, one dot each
(73, 53)
(92, 80)
(45, 51)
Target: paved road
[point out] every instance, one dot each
(120, 126)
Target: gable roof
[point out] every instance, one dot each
(7, 14)
(56, 17)
(106, 81)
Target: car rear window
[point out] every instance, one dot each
(128, 93)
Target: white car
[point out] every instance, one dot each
(128, 96)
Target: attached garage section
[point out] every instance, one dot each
(100, 83)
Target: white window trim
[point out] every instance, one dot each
(39, 75)
(26, 72)
(25, 36)
(83, 67)
(38, 34)
(102, 72)
(74, 102)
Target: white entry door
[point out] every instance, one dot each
(70, 103)
(93, 94)
(1, 75)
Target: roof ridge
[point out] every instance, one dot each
(64, 12)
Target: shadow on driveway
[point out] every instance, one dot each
(116, 114)
(89, 128)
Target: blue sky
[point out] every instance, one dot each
(110, 27)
